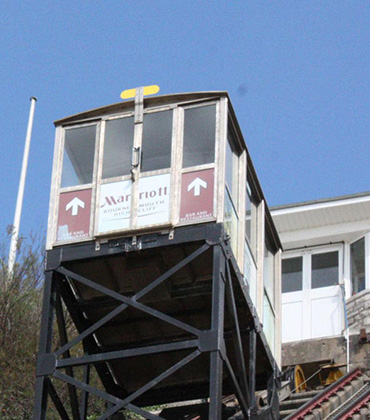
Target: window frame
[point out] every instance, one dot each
(254, 222)
(306, 255)
(92, 185)
(181, 107)
(366, 237)
(137, 141)
(61, 157)
(239, 154)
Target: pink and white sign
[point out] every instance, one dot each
(153, 203)
(154, 200)
(74, 215)
(197, 191)
(115, 206)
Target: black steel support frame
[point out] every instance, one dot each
(59, 364)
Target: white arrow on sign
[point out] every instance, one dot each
(196, 185)
(75, 204)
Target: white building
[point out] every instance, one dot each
(325, 278)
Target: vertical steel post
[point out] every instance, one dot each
(63, 338)
(252, 367)
(217, 326)
(45, 344)
(22, 181)
(85, 394)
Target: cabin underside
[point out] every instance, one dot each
(162, 317)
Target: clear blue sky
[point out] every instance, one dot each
(297, 73)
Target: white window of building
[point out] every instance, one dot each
(357, 258)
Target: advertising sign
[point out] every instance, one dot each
(197, 195)
(115, 206)
(154, 200)
(74, 215)
(153, 203)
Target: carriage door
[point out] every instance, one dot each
(311, 300)
(135, 178)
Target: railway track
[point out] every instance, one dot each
(354, 408)
(342, 400)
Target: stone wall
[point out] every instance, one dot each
(321, 351)
(358, 312)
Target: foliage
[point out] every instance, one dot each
(20, 313)
(20, 318)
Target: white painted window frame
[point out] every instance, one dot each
(348, 282)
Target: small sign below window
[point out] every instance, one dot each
(74, 215)
(197, 195)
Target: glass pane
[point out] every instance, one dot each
(157, 139)
(324, 270)
(269, 323)
(231, 222)
(250, 273)
(250, 220)
(78, 159)
(248, 214)
(358, 266)
(199, 136)
(232, 170)
(291, 273)
(119, 138)
(268, 275)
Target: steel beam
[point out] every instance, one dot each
(226, 281)
(217, 326)
(46, 336)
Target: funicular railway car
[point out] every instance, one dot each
(163, 253)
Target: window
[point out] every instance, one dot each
(231, 212)
(292, 274)
(325, 270)
(231, 220)
(269, 323)
(78, 159)
(268, 274)
(269, 290)
(119, 138)
(250, 219)
(250, 273)
(232, 169)
(199, 136)
(250, 245)
(358, 266)
(157, 141)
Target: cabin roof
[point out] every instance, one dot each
(148, 101)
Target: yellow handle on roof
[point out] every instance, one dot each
(147, 90)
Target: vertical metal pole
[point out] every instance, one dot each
(252, 368)
(237, 340)
(85, 394)
(63, 337)
(216, 363)
(22, 181)
(46, 335)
